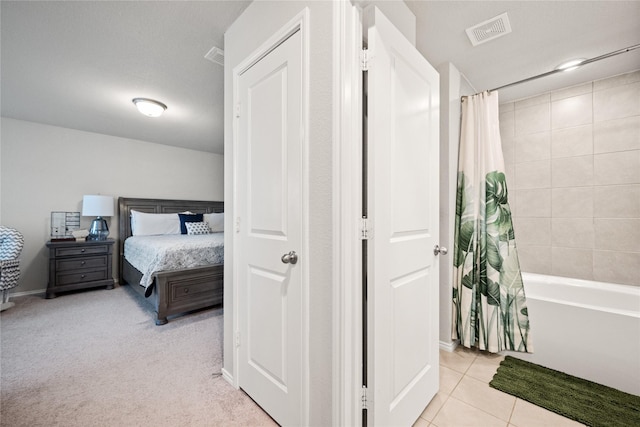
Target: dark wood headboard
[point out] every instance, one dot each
(127, 204)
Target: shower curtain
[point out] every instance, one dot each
(489, 307)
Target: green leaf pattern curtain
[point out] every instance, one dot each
(489, 306)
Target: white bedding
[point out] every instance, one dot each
(152, 254)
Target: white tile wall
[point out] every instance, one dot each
(571, 112)
(534, 231)
(617, 168)
(534, 203)
(617, 234)
(533, 257)
(572, 91)
(571, 171)
(572, 158)
(508, 148)
(619, 80)
(535, 174)
(536, 118)
(572, 262)
(572, 202)
(617, 102)
(575, 141)
(616, 201)
(533, 146)
(616, 266)
(545, 98)
(617, 135)
(572, 233)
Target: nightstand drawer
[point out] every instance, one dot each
(84, 250)
(89, 276)
(79, 265)
(63, 265)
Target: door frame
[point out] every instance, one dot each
(300, 23)
(347, 199)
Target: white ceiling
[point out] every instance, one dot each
(544, 35)
(79, 64)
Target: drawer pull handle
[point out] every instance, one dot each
(83, 263)
(82, 250)
(186, 290)
(83, 276)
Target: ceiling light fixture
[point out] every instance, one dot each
(570, 65)
(149, 107)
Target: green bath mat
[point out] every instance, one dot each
(581, 400)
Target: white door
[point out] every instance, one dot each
(269, 202)
(402, 128)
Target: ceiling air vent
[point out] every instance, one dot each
(216, 55)
(489, 30)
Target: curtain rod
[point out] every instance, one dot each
(586, 61)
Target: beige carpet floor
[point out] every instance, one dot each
(96, 358)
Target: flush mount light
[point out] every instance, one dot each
(570, 65)
(149, 107)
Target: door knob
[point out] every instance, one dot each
(439, 250)
(290, 258)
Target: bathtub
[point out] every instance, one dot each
(587, 329)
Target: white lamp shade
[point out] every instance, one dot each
(97, 206)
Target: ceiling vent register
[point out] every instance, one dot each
(489, 30)
(215, 55)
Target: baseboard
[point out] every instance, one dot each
(448, 346)
(6, 305)
(227, 376)
(24, 293)
(116, 282)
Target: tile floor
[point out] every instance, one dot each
(466, 400)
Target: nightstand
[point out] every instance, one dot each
(77, 265)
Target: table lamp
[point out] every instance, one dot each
(99, 206)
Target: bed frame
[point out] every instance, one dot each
(174, 292)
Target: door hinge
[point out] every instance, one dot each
(237, 110)
(365, 228)
(237, 338)
(364, 59)
(363, 397)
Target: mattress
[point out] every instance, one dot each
(153, 254)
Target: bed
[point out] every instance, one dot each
(176, 291)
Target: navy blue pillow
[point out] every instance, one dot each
(184, 218)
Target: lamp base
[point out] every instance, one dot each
(99, 229)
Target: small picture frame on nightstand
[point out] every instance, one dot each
(63, 224)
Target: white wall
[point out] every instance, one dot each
(259, 22)
(452, 86)
(47, 168)
(396, 11)
(1, 174)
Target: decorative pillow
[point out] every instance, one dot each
(147, 224)
(185, 218)
(197, 228)
(215, 221)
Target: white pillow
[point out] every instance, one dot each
(197, 227)
(215, 221)
(148, 224)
